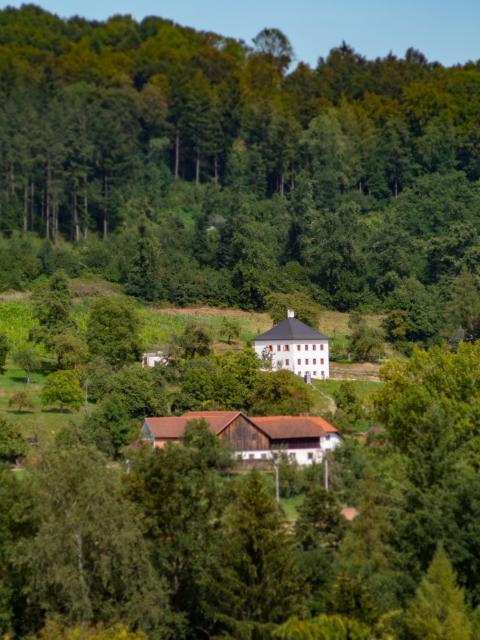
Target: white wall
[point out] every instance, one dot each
(309, 351)
(303, 457)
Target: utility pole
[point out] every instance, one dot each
(277, 480)
(325, 469)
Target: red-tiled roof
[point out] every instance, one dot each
(349, 513)
(284, 427)
(275, 427)
(173, 427)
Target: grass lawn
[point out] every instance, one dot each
(364, 388)
(290, 506)
(37, 422)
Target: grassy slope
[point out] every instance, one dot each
(158, 324)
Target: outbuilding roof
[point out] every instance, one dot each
(174, 426)
(291, 329)
(285, 427)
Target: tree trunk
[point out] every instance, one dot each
(75, 223)
(25, 206)
(47, 204)
(12, 180)
(105, 207)
(215, 170)
(55, 220)
(197, 169)
(85, 212)
(32, 203)
(177, 153)
(81, 576)
(282, 185)
(395, 188)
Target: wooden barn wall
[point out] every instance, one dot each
(243, 436)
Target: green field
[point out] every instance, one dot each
(36, 422)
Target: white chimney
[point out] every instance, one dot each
(290, 313)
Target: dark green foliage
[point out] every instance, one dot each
(179, 497)
(366, 343)
(349, 412)
(215, 454)
(281, 393)
(113, 331)
(128, 396)
(96, 568)
(366, 585)
(215, 173)
(257, 584)
(12, 444)
(52, 309)
(228, 381)
(438, 609)
(144, 278)
(319, 529)
(194, 341)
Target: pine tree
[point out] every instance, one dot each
(438, 611)
(257, 584)
(144, 277)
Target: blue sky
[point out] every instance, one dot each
(444, 30)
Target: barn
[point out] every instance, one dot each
(304, 439)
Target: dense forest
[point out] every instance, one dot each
(191, 167)
(184, 167)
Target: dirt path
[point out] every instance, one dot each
(356, 371)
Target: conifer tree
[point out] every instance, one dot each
(438, 611)
(257, 583)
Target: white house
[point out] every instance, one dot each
(295, 346)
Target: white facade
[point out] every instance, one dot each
(303, 457)
(300, 356)
(151, 358)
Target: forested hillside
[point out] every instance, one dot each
(192, 167)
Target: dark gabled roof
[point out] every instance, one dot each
(291, 329)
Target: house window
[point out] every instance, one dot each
(286, 347)
(264, 456)
(279, 347)
(306, 360)
(298, 347)
(299, 361)
(306, 347)
(314, 373)
(287, 362)
(314, 361)
(251, 456)
(321, 360)
(321, 347)
(310, 455)
(314, 347)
